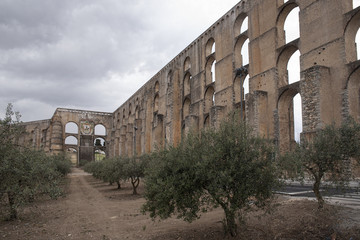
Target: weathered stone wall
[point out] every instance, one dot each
(186, 94)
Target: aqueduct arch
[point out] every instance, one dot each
(78, 131)
(186, 90)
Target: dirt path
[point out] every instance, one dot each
(94, 210)
(87, 213)
(87, 210)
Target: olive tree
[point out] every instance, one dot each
(24, 173)
(229, 167)
(134, 168)
(109, 170)
(326, 154)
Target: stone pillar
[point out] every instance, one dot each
(191, 124)
(56, 145)
(256, 112)
(216, 115)
(310, 88)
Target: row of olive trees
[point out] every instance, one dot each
(118, 169)
(232, 168)
(26, 173)
(229, 167)
(326, 155)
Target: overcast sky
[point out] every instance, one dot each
(91, 54)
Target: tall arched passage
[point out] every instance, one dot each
(187, 84)
(287, 111)
(241, 88)
(241, 51)
(241, 24)
(99, 149)
(72, 153)
(285, 70)
(298, 124)
(353, 93)
(288, 23)
(210, 71)
(210, 47)
(352, 38)
(293, 68)
(210, 61)
(209, 99)
(213, 72)
(245, 53)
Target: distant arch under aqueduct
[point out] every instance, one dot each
(239, 62)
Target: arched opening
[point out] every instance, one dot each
(290, 119)
(293, 67)
(73, 155)
(99, 149)
(99, 142)
(156, 103)
(207, 122)
(186, 108)
(357, 42)
(210, 47)
(241, 51)
(288, 24)
(71, 127)
(356, 3)
(352, 38)
(241, 24)
(169, 91)
(187, 84)
(298, 126)
(292, 25)
(285, 69)
(353, 90)
(245, 53)
(157, 87)
(100, 130)
(244, 25)
(187, 64)
(209, 99)
(213, 73)
(71, 140)
(246, 86)
(241, 88)
(210, 71)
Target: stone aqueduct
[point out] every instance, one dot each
(208, 79)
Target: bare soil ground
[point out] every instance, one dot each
(92, 209)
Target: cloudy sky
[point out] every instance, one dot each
(91, 54)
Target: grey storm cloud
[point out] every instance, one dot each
(91, 54)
